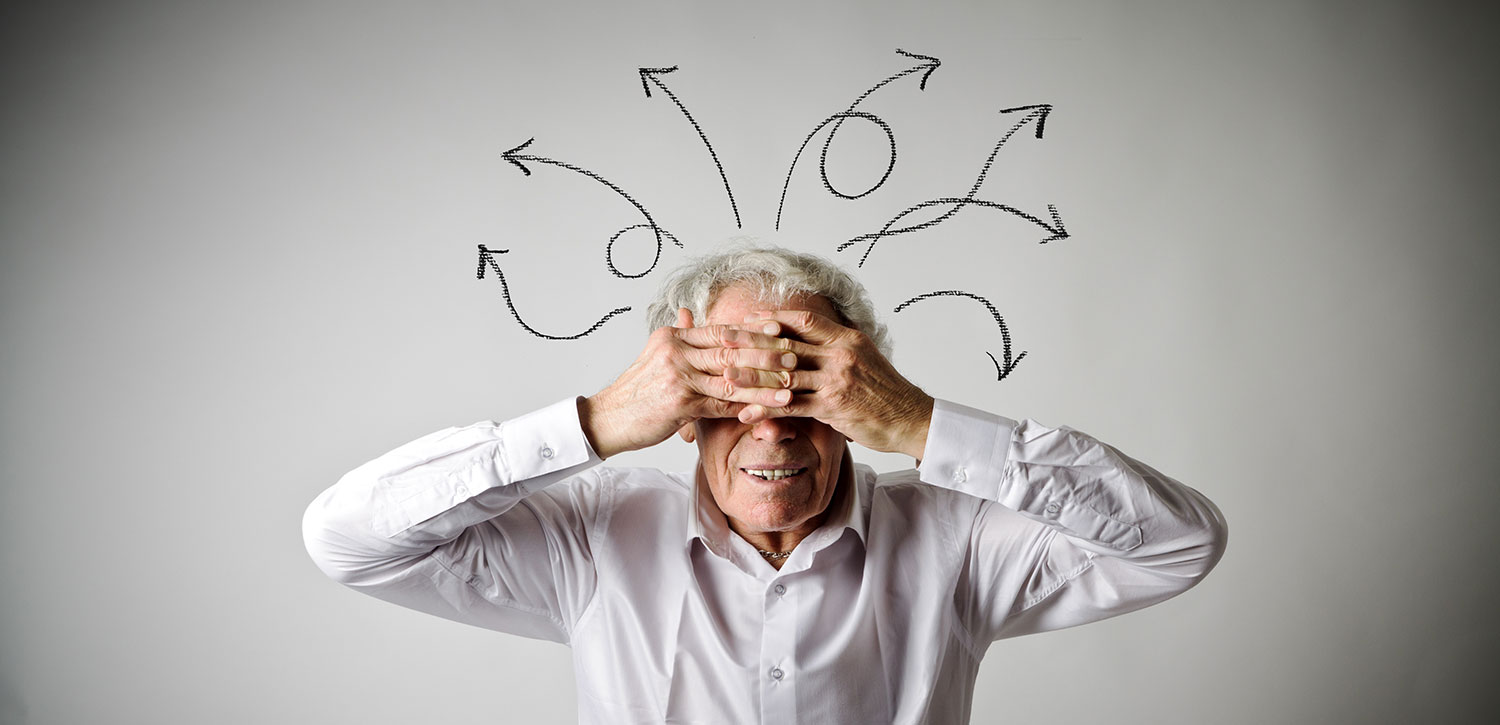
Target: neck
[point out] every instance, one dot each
(776, 541)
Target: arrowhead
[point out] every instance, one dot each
(484, 256)
(514, 157)
(929, 62)
(651, 73)
(1058, 231)
(1038, 111)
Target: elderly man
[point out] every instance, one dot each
(780, 582)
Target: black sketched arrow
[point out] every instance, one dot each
(1010, 364)
(1055, 229)
(927, 65)
(1037, 113)
(487, 260)
(516, 157)
(651, 76)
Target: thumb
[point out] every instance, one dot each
(684, 318)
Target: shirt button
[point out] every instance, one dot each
(547, 452)
(960, 475)
(776, 673)
(780, 590)
(1053, 508)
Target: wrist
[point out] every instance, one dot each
(915, 442)
(595, 429)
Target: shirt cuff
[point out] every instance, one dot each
(544, 441)
(966, 449)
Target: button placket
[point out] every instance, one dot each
(778, 650)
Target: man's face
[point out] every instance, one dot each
(778, 474)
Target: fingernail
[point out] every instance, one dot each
(789, 361)
(783, 396)
(771, 328)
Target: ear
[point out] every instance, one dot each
(688, 433)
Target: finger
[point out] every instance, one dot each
(808, 326)
(715, 360)
(733, 336)
(716, 388)
(797, 408)
(749, 377)
(684, 317)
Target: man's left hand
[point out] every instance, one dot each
(844, 381)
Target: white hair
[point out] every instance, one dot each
(775, 275)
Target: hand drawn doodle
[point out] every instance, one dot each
(653, 75)
(1010, 364)
(948, 206)
(929, 64)
(516, 157)
(1056, 229)
(487, 259)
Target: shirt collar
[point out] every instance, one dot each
(846, 511)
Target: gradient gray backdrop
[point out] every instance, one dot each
(238, 254)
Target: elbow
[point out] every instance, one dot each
(332, 547)
(1209, 547)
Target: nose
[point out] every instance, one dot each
(774, 430)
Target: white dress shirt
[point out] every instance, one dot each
(879, 616)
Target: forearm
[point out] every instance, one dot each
(1103, 501)
(406, 503)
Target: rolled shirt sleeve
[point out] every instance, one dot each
(1071, 530)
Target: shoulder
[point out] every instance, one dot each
(905, 491)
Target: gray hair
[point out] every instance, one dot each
(776, 275)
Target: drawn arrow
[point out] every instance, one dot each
(1036, 113)
(1010, 364)
(487, 259)
(926, 67)
(516, 157)
(1055, 229)
(653, 75)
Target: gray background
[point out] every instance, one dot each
(238, 255)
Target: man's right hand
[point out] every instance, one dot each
(678, 379)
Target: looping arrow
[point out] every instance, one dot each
(609, 251)
(653, 75)
(1010, 364)
(928, 64)
(487, 259)
(516, 157)
(1057, 231)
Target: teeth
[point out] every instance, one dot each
(773, 474)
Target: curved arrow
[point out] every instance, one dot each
(1010, 364)
(515, 157)
(654, 76)
(1056, 228)
(1038, 113)
(486, 258)
(928, 64)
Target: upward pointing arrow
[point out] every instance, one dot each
(652, 76)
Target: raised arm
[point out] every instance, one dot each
(467, 523)
(1069, 530)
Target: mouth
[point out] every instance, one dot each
(773, 474)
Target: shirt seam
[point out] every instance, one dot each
(501, 601)
(1066, 578)
(607, 485)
